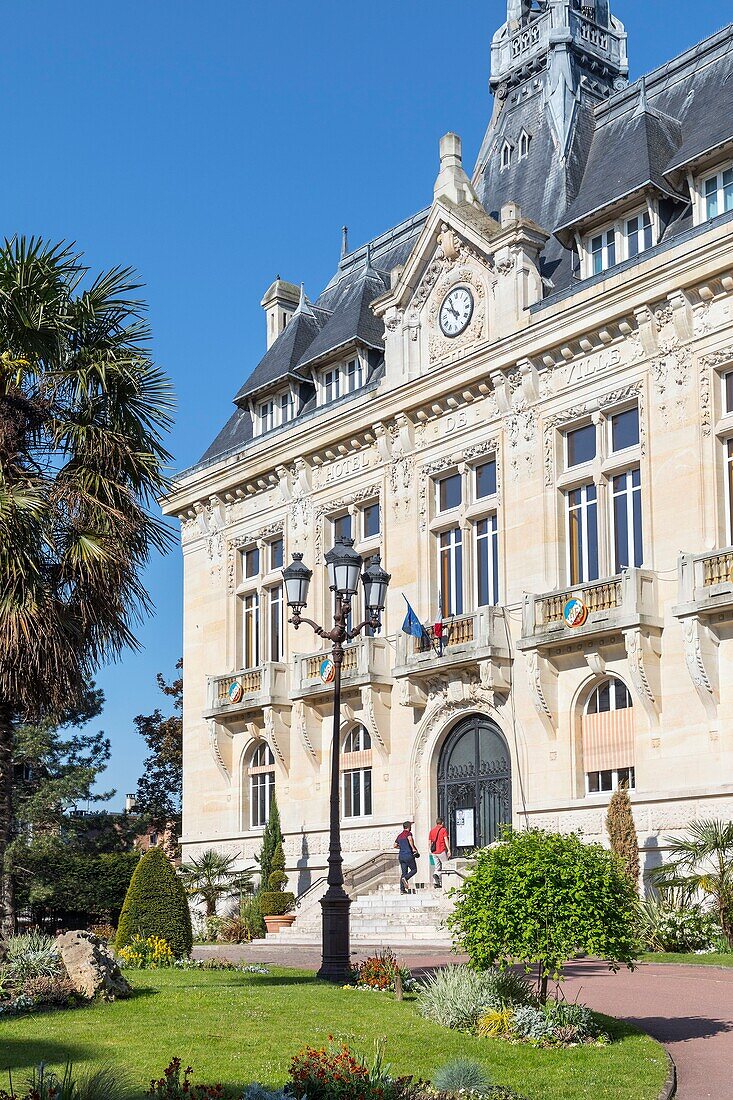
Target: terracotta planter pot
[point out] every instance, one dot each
(274, 924)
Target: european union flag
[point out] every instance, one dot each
(412, 624)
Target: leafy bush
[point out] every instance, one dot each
(462, 1074)
(531, 1023)
(173, 1086)
(380, 972)
(104, 931)
(31, 956)
(151, 953)
(334, 1073)
(156, 905)
(557, 1023)
(457, 996)
(543, 898)
(256, 1091)
(668, 926)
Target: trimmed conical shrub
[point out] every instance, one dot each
(156, 905)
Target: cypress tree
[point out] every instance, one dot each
(622, 833)
(271, 837)
(156, 905)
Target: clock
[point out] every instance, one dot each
(456, 311)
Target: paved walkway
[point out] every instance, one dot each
(688, 1008)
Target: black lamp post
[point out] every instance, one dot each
(344, 567)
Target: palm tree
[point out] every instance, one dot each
(702, 863)
(83, 413)
(211, 877)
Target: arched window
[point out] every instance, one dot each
(506, 154)
(356, 773)
(524, 140)
(261, 774)
(608, 738)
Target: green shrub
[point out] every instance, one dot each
(250, 917)
(457, 996)
(668, 926)
(462, 1074)
(275, 903)
(156, 905)
(543, 898)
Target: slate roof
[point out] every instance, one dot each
(639, 137)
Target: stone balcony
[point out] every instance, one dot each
(706, 585)
(474, 645)
(367, 662)
(612, 607)
(250, 689)
(705, 609)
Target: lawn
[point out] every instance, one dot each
(235, 1028)
(710, 958)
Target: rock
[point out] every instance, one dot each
(91, 966)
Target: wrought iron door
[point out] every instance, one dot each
(474, 783)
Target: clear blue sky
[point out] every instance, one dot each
(215, 145)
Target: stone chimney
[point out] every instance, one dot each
(452, 182)
(279, 303)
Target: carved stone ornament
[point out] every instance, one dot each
(575, 412)
(542, 678)
(701, 658)
(709, 364)
(643, 659)
(426, 473)
(366, 492)
(216, 733)
(299, 722)
(672, 380)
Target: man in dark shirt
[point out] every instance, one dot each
(406, 853)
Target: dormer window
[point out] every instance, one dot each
(621, 241)
(336, 381)
(274, 411)
(506, 154)
(524, 140)
(718, 193)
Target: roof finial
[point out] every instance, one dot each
(344, 241)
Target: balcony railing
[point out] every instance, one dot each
(366, 660)
(582, 610)
(706, 582)
(248, 689)
(466, 640)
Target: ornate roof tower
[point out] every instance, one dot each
(551, 63)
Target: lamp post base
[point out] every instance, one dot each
(336, 956)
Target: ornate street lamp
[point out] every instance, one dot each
(344, 567)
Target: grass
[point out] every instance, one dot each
(236, 1028)
(710, 958)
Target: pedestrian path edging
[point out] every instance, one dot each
(669, 1089)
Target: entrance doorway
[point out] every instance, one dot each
(474, 784)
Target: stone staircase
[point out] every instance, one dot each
(382, 918)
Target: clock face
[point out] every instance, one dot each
(456, 311)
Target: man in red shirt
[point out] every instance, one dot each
(439, 850)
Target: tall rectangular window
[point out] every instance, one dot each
(582, 506)
(628, 550)
(449, 492)
(353, 375)
(276, 554)
(486, 480)
(331, 385)
(450, 555)
(487, 562)
(728, 391)
(603, 251)
(251, 630)
(638, 234)
(370, 521)
(267, 416)
(718, 191)
(276, 623)
(250, 562)
(342, 528)
(357, 792)
(286, 407)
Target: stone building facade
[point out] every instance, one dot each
(522, 398)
